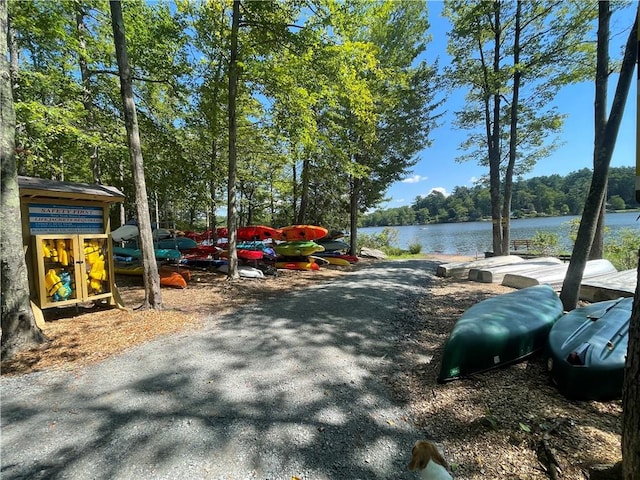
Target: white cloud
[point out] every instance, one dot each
(414, 179)
(474, 180)
(442, 190)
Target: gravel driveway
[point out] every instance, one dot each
(292, 387)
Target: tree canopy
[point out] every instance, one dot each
(546, 195)
(328, 93)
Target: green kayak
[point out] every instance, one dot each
(499, 331)
(587, 349)
(296, 249)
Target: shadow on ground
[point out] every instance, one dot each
(289, 387)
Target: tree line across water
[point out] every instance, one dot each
(538, 196)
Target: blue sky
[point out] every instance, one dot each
(437, 168)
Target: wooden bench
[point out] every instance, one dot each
(526, 243)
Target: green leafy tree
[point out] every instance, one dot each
(386, 101)
(545, 42)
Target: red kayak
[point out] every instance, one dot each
(245, 254)
(257, 232)
(204, 250)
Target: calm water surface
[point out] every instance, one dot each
(474, 238)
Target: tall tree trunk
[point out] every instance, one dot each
(631, 394)
(213, 177)
(13, 54)
(304, 194)
(494, 140)
(152, 297)
(212, 188)
(122, 209)
(513, 136)
(597, 247)
(353, 214)
(232, 214)
(19, 329)
(294, 200)
(605, 142)
(85, 77)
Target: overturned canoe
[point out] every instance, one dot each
(554, 275)
(499, 331)
(587, 348)
(496, 274)
(461, 269)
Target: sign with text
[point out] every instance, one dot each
(47, 219)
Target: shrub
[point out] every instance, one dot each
(415, 248)
(388, 237)
(393, 251)
(545, 243)
(622, 251)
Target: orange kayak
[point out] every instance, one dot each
(298, 265)
(302, 232)
(172, 279)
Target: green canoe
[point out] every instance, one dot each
(587, 349)
(499, 331)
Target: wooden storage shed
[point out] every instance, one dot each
(67, 242)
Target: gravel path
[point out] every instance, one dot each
(288, 388)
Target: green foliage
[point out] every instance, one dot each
(547, 195)
(622, 251)
(545, 244)
(387, 240)
(415, 248)
(616, 202)
(573, 227)
(524, 427)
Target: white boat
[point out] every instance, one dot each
(244, 271)
(554, 275)
(496, 274)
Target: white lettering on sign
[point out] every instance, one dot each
(44, 219)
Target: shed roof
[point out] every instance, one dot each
(32, 187)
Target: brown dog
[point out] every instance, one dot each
(426, 457)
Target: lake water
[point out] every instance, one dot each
(474, 238)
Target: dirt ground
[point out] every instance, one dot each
(509, 423)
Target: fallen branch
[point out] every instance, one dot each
(548, 460)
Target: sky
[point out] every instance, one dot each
(437, 167)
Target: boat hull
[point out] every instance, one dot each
(499, 331)
(587, 349)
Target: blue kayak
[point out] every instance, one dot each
(136, 254)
